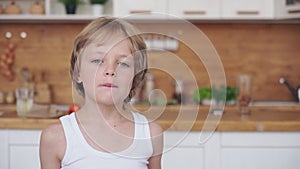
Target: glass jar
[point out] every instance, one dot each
(2, 100)
(10, 98)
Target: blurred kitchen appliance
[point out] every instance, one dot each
(294, 91)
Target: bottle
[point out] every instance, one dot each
(42, 89)
(149, 85)
(177, 95)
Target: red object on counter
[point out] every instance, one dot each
(73, 108)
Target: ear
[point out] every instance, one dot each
(78, 79)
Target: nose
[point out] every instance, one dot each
(110, 74)
(110, 71)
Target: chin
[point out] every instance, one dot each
(109, 98)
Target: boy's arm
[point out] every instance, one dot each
(52, 146)
(157, 142)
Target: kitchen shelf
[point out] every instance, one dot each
(45, 18)
(82, 18)
(269, 12)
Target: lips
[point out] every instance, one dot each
(109, 85)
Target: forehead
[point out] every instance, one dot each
(108, 33)
(111, 38)
(121, 48)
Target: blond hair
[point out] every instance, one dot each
(102, 29)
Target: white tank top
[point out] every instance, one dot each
(80, 155)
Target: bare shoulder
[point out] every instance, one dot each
(52, 135)
(53, 132)
(51, 153)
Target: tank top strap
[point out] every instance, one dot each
(69, 125)
(67, 122)
(142, 130)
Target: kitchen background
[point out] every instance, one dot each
(256, 37)
(263, 47)
(267, 51)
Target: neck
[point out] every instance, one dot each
(109, 112)
(105, 112)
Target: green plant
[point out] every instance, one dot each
(231, 94)
(219, 94)
(98, 1)
(68, 2)
(224, 94)
(202, 93)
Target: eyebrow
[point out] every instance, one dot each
(123, 56)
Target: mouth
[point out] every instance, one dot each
(108, 85)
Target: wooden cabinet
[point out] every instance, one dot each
(195, 9)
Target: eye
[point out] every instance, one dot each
(123, 64)
(97, 61)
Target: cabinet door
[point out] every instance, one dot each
(23, 148)
(247, 9)
(260, 158)
(123, 8)
(182, 150)
(287, 9)
(3, 149)
(275, 150)
(183, 157)
(195, 9)
(24, 156)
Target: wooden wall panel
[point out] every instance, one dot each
(46, 49)
(266, 51)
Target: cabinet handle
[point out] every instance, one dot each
(140, 11)
(194, 12)
(247, 12)
(294, 11)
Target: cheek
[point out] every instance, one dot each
(126, 80)
(88, 76)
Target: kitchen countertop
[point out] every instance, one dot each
(262, 118)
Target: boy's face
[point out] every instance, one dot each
(107, 72)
